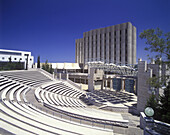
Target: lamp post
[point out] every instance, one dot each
(149, 111)
(149, 121)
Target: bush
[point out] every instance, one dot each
(47, 67)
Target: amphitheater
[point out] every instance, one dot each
(33, 102)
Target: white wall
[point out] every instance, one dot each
(17, 58)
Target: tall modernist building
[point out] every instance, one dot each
(114, 44)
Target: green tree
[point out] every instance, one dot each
(153, 103)
(51, 69)
(43, 66)
(38, 62)
(158, 43)
(47, 67)
(165, 104)
(10, 64)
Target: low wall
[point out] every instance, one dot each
(153, 127)
(116, 109)
(121, 123)
(161, 127)
(46, 73)
(133, 110)
(142, 120)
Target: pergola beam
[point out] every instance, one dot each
(121, 70)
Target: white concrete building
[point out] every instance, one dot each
(63, 66)
(17, 56)
(114, 44)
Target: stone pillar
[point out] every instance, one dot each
(123, 84)
(86, 49)
(59, 76)
(98, 45)
(102, 85)
(82, 50)
(107, 47)
(80, 86)
(143, 87)
(91, 79)
(53, 75)
(129, 43)
(112, 44)
(106, 84)
(123, 41)
(133, 45)
(67, 76)
(79, 51)
(102, 47)
(111, 84)
(117, 44)
(76, 51)
(94, 46)
(135, 85)
(90, 46)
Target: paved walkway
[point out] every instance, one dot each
(4, 132)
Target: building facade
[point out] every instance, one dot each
(114, 44)
(16, 56)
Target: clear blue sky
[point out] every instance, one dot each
(49, 27)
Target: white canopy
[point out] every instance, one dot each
(65, 65)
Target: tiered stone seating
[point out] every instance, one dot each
(18, 93)
(72, 107)
(58, 99)
(62, 89)
(19, 117)
(90, 115)
(31, 78)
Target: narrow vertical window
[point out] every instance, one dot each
(100, 47)
(92, 48)
(115, 47)
(109, 47)
(126, 53)
(120, 48)
(88, 48)
(84, 50)
(105, 47)
(96, 47)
